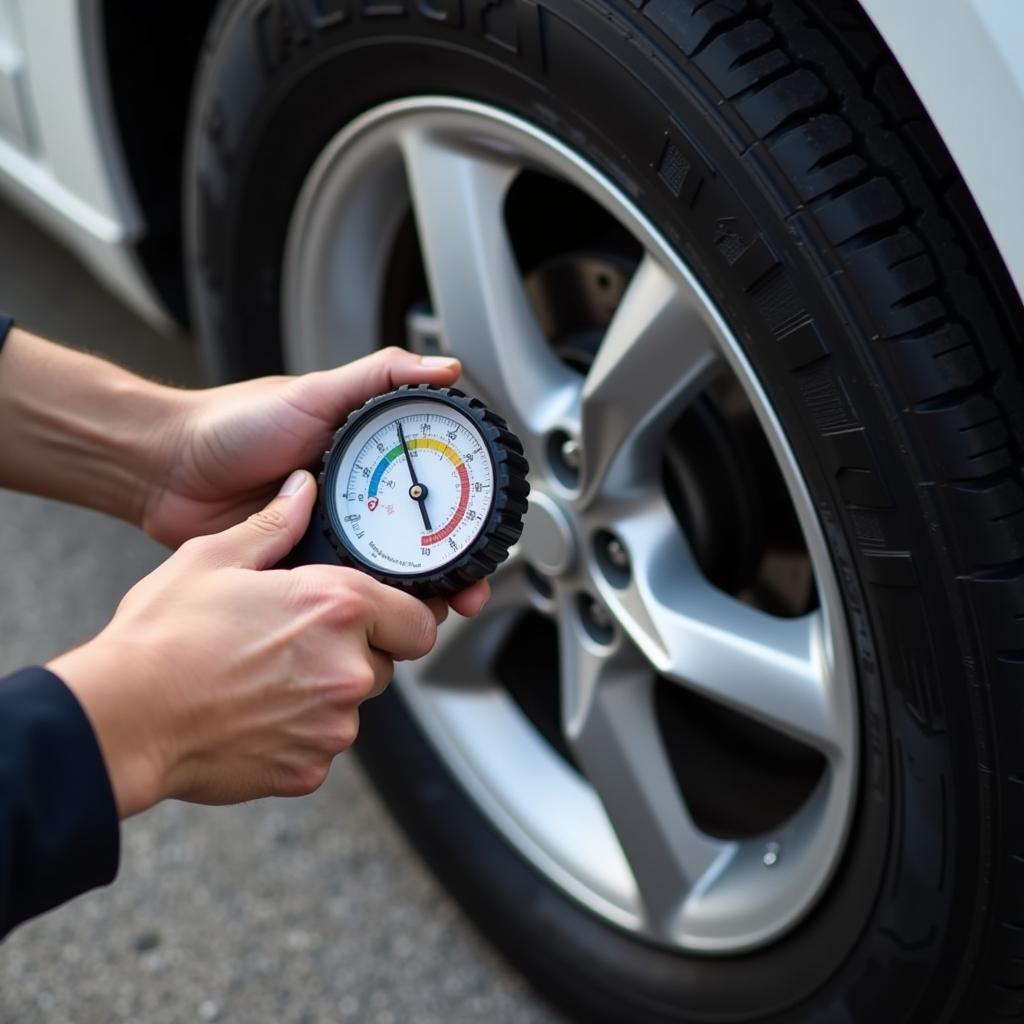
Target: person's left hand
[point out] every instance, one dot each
(230, 447)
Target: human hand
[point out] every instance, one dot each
(220, 679)
(230, 447)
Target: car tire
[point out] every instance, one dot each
(781, 153)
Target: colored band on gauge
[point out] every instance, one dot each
(426, 442)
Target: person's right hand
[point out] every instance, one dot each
(220, 679)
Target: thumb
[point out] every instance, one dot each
(333, 394)
(268, 535)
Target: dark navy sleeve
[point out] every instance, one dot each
(6, 323)
(59, 831)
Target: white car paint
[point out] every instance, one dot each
(61, 160)
(60, 157)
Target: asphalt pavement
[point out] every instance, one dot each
(309, 911)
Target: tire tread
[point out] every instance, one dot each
(869, 173)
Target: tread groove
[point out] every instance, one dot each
(949, 400)
(870, 235)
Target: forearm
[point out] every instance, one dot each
(80, 429)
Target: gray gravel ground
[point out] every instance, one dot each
(311, 911)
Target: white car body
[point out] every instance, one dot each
(61, 158)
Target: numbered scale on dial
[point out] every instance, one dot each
(425, 489)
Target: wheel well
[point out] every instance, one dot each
(152, 53)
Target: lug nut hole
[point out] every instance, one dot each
(564, 456)
(613, 558)
(596, 619)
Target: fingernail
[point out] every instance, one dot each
(436, 361)
(292, 484)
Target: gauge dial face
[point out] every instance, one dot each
(411, 488)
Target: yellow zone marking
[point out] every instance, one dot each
(438, 446)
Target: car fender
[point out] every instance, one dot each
(965, 60)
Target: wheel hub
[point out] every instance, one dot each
(548, 541)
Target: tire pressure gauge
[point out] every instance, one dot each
(425, 489)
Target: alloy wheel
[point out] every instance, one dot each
(609, 561)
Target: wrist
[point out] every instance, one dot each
(161, 424)
(143, 443)
(108, 682)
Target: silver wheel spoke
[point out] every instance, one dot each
(486, 320)
(775, 670)
(609, 720)
(656, 355)
(466, 648)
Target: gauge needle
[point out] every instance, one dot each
(417, 492)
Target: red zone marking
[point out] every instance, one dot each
(439, 535)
